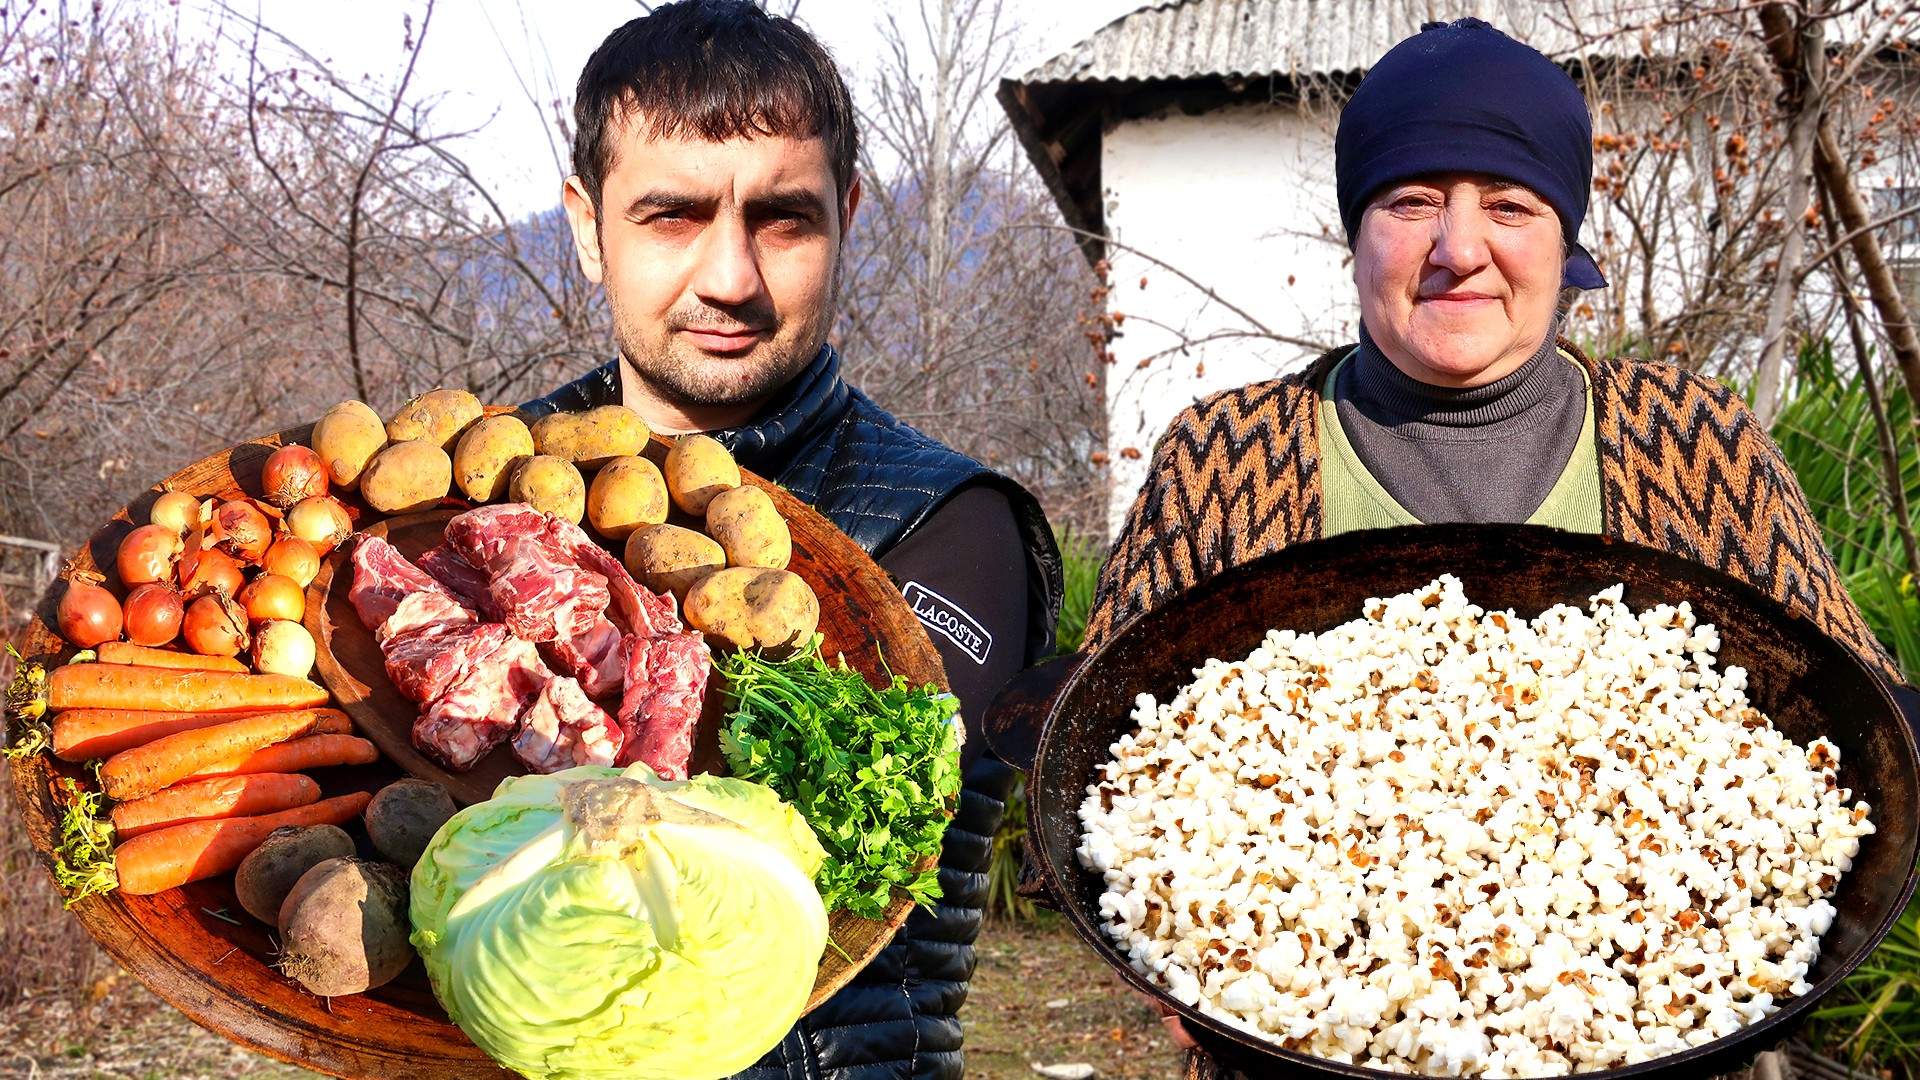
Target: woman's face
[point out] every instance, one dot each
(1458, 276)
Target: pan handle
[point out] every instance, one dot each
(1012, 723)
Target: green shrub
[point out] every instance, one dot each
(1827, 433)
(1081, 556)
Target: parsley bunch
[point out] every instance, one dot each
(871, 770)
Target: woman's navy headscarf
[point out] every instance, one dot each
(1464, 97)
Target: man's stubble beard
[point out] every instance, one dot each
(686, 378)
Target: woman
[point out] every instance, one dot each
(1463, 163)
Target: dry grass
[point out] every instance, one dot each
(123, 1033)
(1040, 997)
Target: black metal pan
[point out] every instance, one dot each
(1807, 682)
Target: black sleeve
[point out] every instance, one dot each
(964, 572)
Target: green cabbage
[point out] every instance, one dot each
(603, 922)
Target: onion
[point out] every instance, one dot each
(283, 648)
(176, 510)
(154, 613)
(294, 558)
(293, 473)
(88, 615)
(240, 529)
(320, 521)
(148, 555)
(271, 596)
(215, 626)
(204, 570)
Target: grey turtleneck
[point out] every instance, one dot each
(1488, 453)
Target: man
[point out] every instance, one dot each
(714, 181)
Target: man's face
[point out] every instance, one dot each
(1459, 276)
(720, 261)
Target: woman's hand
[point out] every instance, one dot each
(1175, 1029)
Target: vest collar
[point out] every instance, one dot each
(807, 405)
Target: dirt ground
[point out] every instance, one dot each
(122, 1032)
(1041, 998)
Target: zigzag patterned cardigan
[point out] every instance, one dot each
(1684, 466)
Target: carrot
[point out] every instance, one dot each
(117, 686)
(296, 755)
(167, 858)
(83, 734)
(144, 770)
(123, 652)
(222, 796)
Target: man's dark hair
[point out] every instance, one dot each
(718, 69)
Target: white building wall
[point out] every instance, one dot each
(1241, 201)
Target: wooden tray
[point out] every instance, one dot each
(181, 944)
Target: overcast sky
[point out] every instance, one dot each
(497, 63)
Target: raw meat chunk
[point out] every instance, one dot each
(666, 678)
(382, 577)
(424, 665)
(637, 610)
(486, 535)
(533, 579)
(563, 728)
(477, 712)
(598, 658)
(423, 612)
(462, 579)
(543, 592)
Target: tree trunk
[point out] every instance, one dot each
(940, 194)
(1794, 46)
(1831, 166)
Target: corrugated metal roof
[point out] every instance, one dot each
(1182, 39)
(1205, 54)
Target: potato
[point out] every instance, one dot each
(551, 484)
(404, 815)
(698, 468)
(753, 608)
(627, 493)
(407, 477)
(343, 928)
(592, 438)
(751, 530)
(437, 416)
(266, 876)
(484, 459)
(346, 437)
(668, 558)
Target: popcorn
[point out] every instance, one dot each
(1444, 840)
